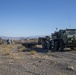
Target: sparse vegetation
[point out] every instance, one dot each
(5, 50)
(15, 56)
(70, 67)
(32, 52)
(21, 48)
(60, 73)
(7, 53)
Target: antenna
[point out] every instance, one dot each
(68, 15)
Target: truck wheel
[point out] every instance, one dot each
(44, 45)
(61, 46)
(26, 46)
(48, 44)
(56, 46)
(72, 48)
(29, 46)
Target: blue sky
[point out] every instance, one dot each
(25, 18)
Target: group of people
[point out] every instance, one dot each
(9, 41)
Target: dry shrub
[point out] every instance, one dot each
(70, 67)
(3, 46)
(13, 45)
(33, 52)
(15, 56)
(21, 48)
(2, 42)
(6, 51)
(1, 62)
(7, 54)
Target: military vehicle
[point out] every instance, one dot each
(60, 40)
(29, 43)
(45, 42)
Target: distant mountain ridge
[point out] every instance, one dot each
(21, 38)
(12, 38)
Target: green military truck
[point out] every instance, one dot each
(59, 40)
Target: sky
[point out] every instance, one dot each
(23, 18)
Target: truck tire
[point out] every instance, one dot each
(28, 46)
(56, 45)
(61, 45)
(44, 45)
(48, 43)
(72, 48)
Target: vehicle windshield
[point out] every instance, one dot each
(71, 32)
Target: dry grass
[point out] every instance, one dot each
(16, 56)
(70, 67)
(6, 49)
(62, 73)
(1, 62)
(21, 49)
(7, 53)
(33, 52)
(3, 46)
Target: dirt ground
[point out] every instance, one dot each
(36, 61)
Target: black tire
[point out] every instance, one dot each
(72, 48)
(56, 45)
(44, 44)
(61, 45)
(27, 46)
(48, 44)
